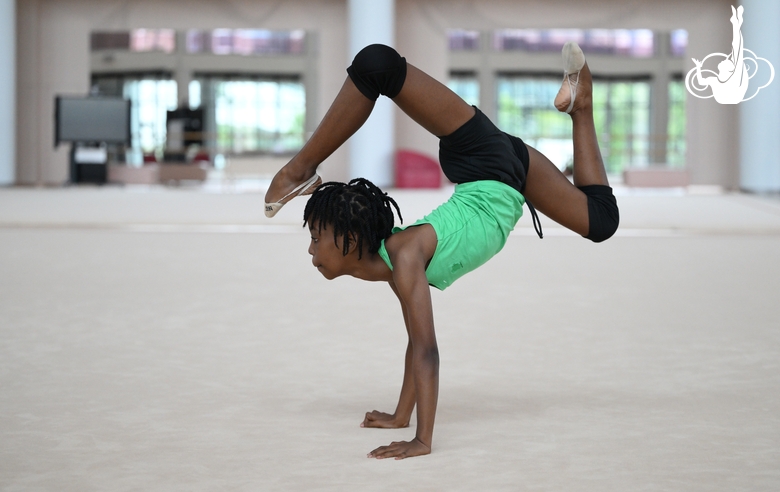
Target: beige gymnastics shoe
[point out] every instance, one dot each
(573, 61)
(305, 188)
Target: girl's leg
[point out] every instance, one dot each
(345, 116)
(432, 104)
(428, 102)
(547, 188)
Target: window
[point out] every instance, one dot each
(136, 40)
(466, 85)
(636, 43)
(151, 97)
(142, 40)
(246, 42)
(254, 114)
(623, 112)
(99, 41)
(675, 145)
(463, 40)
(525, 109)
(678, 42)
(621, 115)
(242, 111)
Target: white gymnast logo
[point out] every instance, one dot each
(730, 84)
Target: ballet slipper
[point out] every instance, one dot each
(573, 61)
(305, 188)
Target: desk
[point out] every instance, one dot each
(157, 173)
(183, 172)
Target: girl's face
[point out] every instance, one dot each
(326, 255)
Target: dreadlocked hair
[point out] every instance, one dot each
(356, 209)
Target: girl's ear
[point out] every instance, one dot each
(352, 242)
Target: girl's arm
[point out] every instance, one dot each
(409, 254)
(403, 412)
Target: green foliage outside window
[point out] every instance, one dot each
(675, 145)
(621, 115)
(621, 112)
(259, 116)
(466, 86)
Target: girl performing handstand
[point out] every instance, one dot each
(351, 224)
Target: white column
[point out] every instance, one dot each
(760, 117)
(372, 147)
(7, 92)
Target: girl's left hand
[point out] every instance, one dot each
(382, 420)
(401, 450)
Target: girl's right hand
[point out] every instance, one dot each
(382, 420)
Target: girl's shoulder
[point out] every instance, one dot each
(418, 240)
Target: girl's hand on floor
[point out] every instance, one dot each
(401, 450)
(382, 420)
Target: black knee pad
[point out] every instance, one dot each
(603, 213)
(378, 69)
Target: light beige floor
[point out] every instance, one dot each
(165, 339)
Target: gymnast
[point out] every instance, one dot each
(351, 224)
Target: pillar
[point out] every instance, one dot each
(372, 147)
(760, 117)
(7, 92)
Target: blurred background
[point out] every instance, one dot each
(230, 91)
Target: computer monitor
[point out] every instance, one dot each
(92, 119)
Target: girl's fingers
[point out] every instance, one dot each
(383, 452)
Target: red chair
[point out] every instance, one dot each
(416, 170)
(202, 157)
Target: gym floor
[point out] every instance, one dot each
(174, 339)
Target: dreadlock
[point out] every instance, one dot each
(356, 208)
